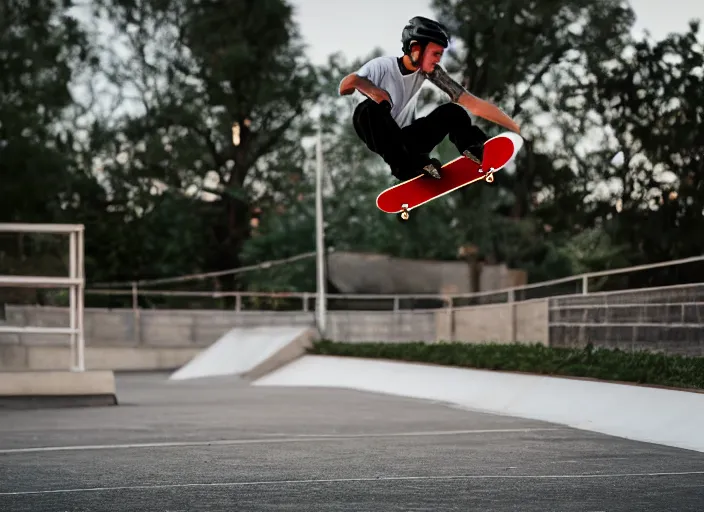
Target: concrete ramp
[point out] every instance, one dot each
(248, 352)
(654, 415)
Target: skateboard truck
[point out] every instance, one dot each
(404, 214)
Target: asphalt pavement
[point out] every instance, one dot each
(220, 444)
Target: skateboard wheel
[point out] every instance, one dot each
(404, 215)
(490, 176)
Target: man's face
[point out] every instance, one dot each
(431, 56)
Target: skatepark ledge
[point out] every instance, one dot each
(35, 389)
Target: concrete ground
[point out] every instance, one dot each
(219, 444)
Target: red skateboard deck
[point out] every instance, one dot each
(498, 151)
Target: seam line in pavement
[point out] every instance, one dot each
(296, 438)
(351, 480)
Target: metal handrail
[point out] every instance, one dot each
(64, 229)
(510, 292)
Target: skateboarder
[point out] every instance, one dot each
(386, 121)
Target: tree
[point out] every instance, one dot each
(647, 102)
(517, 54)
(42, 50)
(214, 100)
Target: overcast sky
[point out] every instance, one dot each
(355, 28)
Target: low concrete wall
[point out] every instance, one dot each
(520, 322)
(668, 320)
(56, 388)
(155, 328)
(123, 339)
(30, 357)
(381, 326)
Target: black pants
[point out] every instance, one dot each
(406, 150)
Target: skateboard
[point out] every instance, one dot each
(402, 198)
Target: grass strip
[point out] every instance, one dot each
(598, 363)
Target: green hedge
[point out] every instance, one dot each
(598, 363)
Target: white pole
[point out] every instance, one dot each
(80, 301)
(73, 300)
(320, 249)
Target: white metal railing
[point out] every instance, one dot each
(75, 282)
(206, 275)
(507, 295)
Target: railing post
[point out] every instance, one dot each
(512, 313)
(135, 313)
(73, 303)
(585, 284)
(80, 299)
(450, 301)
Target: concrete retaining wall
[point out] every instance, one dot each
(154, 328)
(167, 339)
(30, 357)
(376, 326)
(522, 322)
(667, 320)
(125, 340)
(35, 389)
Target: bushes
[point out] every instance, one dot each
(598, 363)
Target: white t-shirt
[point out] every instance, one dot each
(384, 72)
